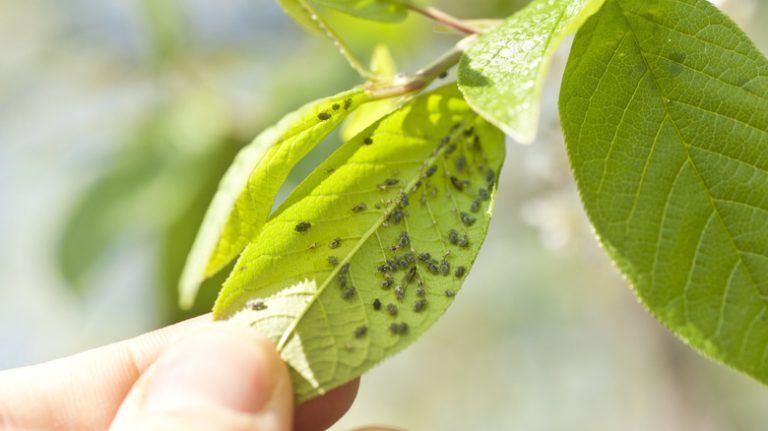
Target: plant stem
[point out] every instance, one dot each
(411, 83)
(345, 51)
(443, 18)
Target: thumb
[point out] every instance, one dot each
(223, 378)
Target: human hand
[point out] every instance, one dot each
(195, 375)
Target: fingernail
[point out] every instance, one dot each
(224, 367)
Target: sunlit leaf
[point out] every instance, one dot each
(665, 110)
(370, 249)
(247, 191)
(502, 74)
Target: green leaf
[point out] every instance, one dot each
(375, 10)
(248, 189)
(665, 110)
(302, 14)
(395, 191)
(502, 74)
(383, 65)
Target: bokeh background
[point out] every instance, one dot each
(117, 119)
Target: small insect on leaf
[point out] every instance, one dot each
(303, 227)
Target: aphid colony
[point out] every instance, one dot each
(404, 266)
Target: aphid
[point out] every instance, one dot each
(335, 106)
(445, 267)
(403, 328)
(387, 283)
(399, 292)
(425, 257)
(368, 141)
(431, 171)
(392, 309)
(404, 200)
(335, 243)
(467, 219)
(490, 176)
(347, 103)
(476, 142)
(461, 163)
(410, 275)
(359, 207)
(420, 292)
(469, 131)
(349, 293)
(303, 226)
(451, 148)
(329, 171)
(394, 328)
(460, 271)
(484, 195)
(397, 215)
(433, 268)
(443, 75)
(420, 305)
(475, 207)
(343, 275)
(450, 293)
(324, 116)
(256, 305)
(333, 260)
(360, 331)
(463, 241)
(384, 268)
(404, 240)
(377, 304)
(408, 257)
(391, 182)
(402, 263)
(453, 237)
(459, 184)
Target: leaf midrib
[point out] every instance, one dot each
(291, 330)
(712, 203)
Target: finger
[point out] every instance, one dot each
(322, 412)
(223, 378)
(82, 391)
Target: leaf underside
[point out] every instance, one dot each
(375, 10)
(248, 189)
(502, 74)
(665, 110)
(338, 277)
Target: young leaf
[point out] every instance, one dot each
(371, 248)
(502, 74)
(383, 65)
(375, 10)
(249, 187)
(665, 110)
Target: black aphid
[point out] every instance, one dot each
(347, 103)
(392, 309)
(410, 275)
(450, 293)
(348, 293)
(394, 328)
(397, 215)
(387, 283)
(333, 260)
(460, 271)
(336, 106)
(402, 263)
(467, 219)
(490, 176)
(443, 75)
(377, 304)
(384, 268)
(453, 237)
(445, 267)
(475, 207)
(391, 182)
(461, 163)
(484, 195)
(451, 148)
(403, 328)
(324, 116)
(425, 257)
(420, 305)
(368, 141)
(404, 200)
(359, 207)
(433, 268)
(420, 292)
(256, 305)
(459, 184)
(360, 331)
(431, 171)
(463, 241)
(335, 243)
(469, 131)
(343, 275)
(303, 226)
(399, 292)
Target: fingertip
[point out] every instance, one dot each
(322, 412)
